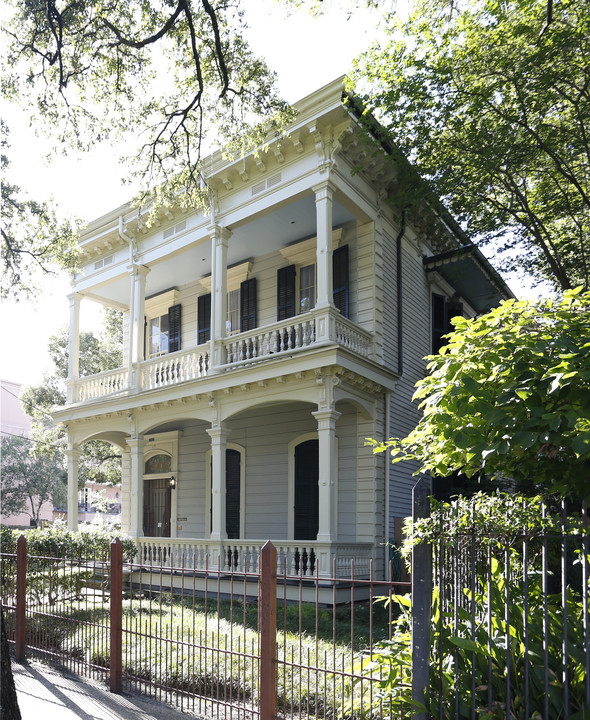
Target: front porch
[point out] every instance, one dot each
(294, 557)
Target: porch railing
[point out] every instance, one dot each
(292, 335)
(175, 368)
(111, 382)
(296, 557)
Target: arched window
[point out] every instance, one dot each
(158, 464)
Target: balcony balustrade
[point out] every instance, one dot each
(318, 327)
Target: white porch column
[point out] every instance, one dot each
(218, 437)
(323, 203)
(136, 446)
(73, 346)
(327, 472)
(219, 241)
(73, 457)
(137, 320)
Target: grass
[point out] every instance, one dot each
(210, 648)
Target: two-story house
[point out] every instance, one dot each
(266, 338)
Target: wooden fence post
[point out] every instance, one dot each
(268, 632)
(421, 603)
(21, 598)
(116, 649)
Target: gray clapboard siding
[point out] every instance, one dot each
(404, 413)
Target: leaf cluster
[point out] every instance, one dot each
(168, 72)
(509, 395)
(491, 101)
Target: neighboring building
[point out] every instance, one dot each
(89, 510)
(265, 340)
(14, 421)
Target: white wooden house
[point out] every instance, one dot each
(265, 339)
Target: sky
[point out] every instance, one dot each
(306, 53)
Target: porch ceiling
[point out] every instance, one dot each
(284, 225)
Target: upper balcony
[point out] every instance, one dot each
(314, 329)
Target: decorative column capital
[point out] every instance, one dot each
(138, 269)
(73, 453)
(326, 419)
(220, 234)
(324, 190)
(137, 443)
(74, 297)
(218, 434)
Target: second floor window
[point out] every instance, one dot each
(306, 288)
(163, 332)
(158, 335)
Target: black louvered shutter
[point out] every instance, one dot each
(306, 508)
(248, 305)
(286, 292)
(232, 494)
(174, 318)
(440, 324)
(340, 279)
(204, 319)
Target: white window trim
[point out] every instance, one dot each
(242, 450)
(155, 307)
(291, 483)
(235, 276)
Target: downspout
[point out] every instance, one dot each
(400, 346)
(400, 370)
(129, 240)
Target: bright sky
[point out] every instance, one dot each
(305, 52)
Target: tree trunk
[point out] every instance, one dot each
(9, 709)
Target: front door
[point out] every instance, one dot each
(156, 507)
(307, 472)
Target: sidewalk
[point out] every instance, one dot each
(45, 694)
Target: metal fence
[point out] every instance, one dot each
(262, 644)
(502, 630)
(498, 628)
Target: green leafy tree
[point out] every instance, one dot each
(491, 103)
(100, 461)
(34, 241)
(509, 396)
(170, 71)
(29, 480)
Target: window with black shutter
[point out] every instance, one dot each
(306, 506)
(204, 319)
(340, 279)
(286, 292)
(442, 312)
(248, 305)
(174, 322)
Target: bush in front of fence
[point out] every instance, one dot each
(56, 540)
(501, 643)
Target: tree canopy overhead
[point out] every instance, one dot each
(168, 71)
(491, 102)
(509, 395)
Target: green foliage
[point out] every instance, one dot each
(168, 72)
(490, 101)
(55, 540)
(472, 644)
(34, 240)
(27, 480)
(100, 460)
(509, 395)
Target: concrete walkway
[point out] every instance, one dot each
(46, 694)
